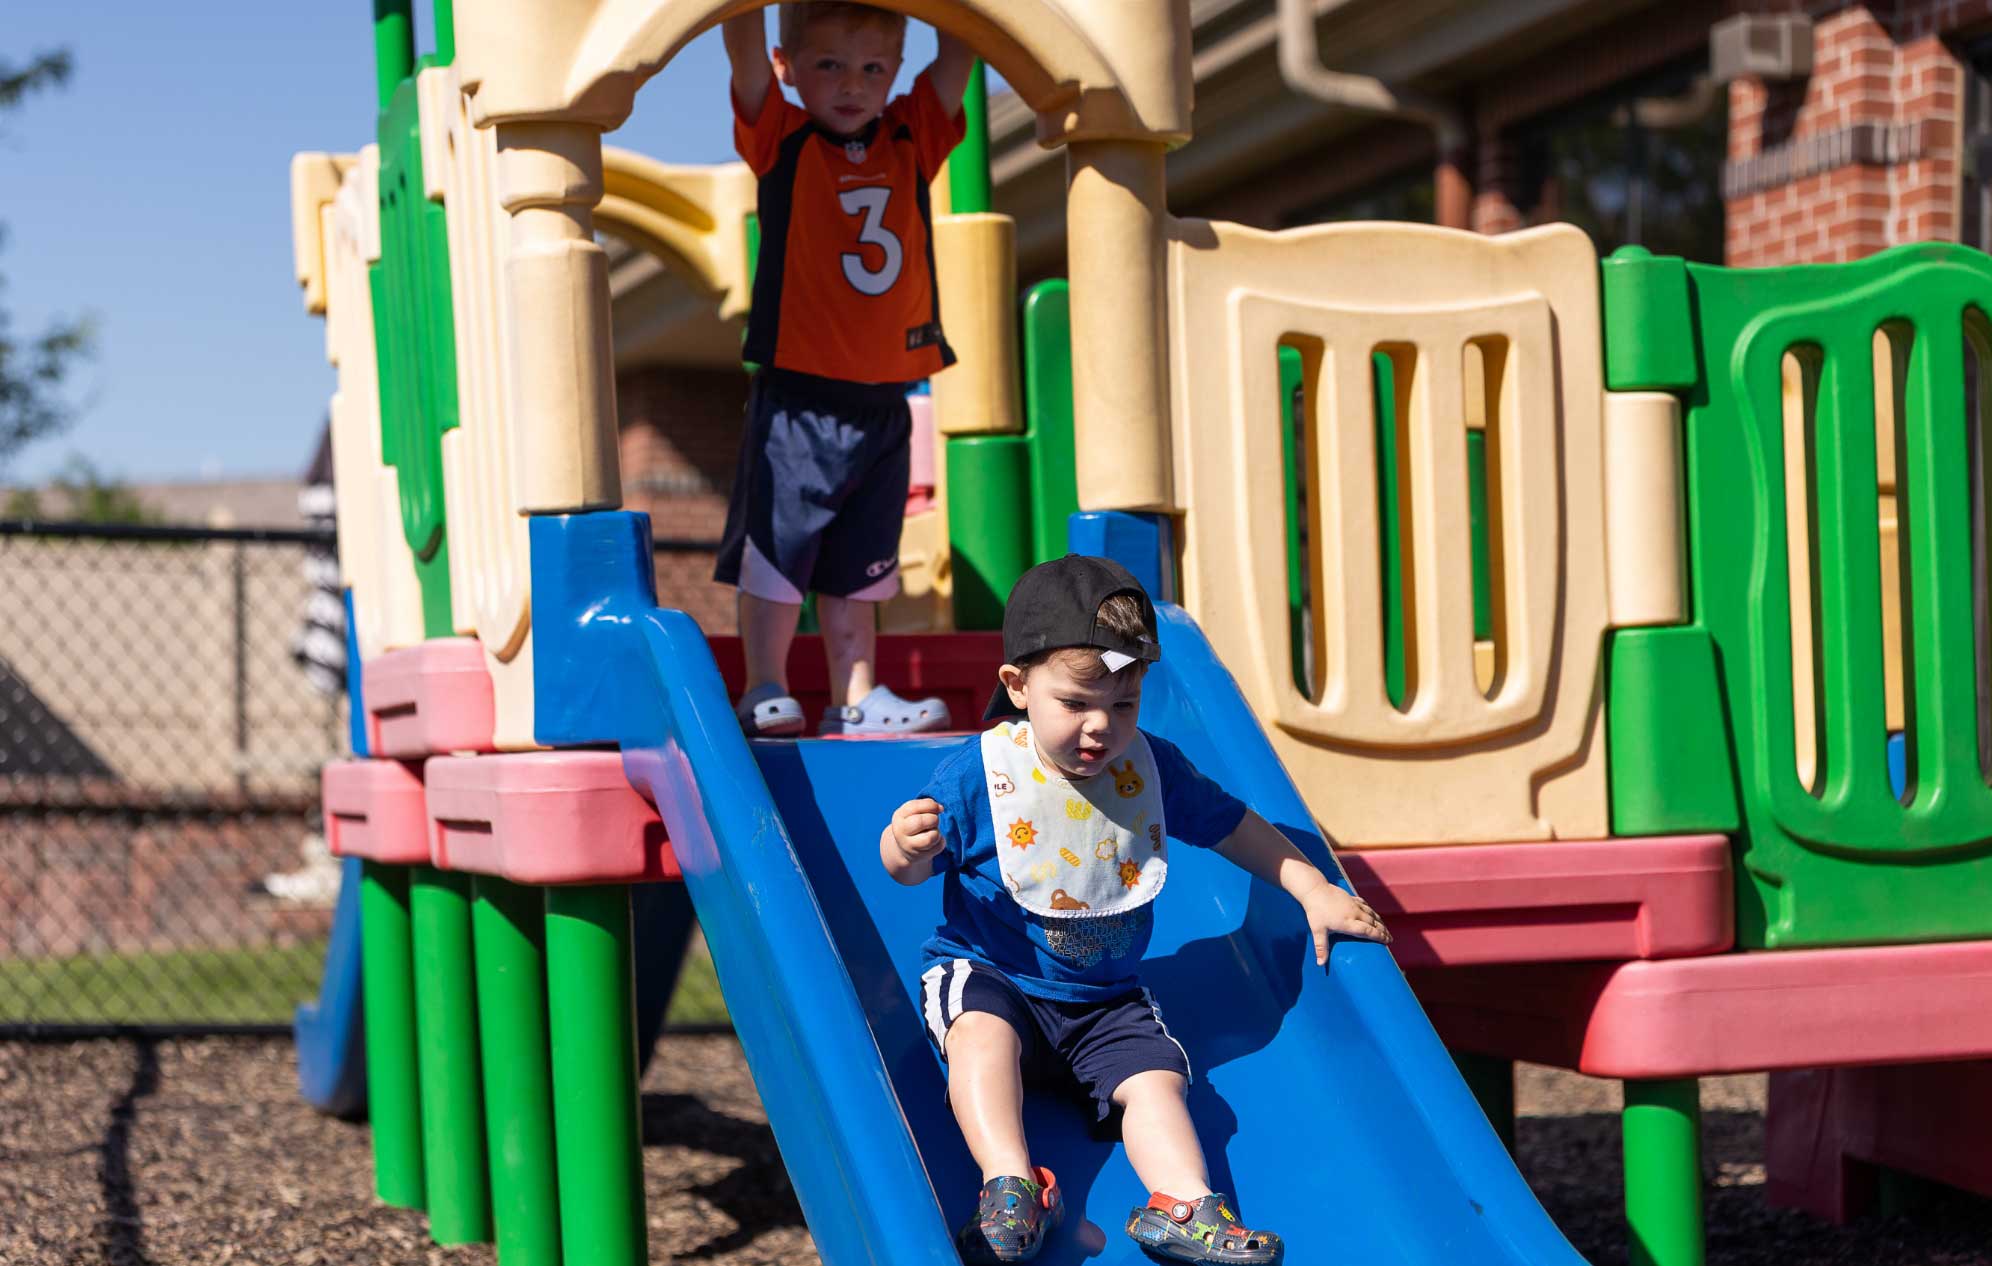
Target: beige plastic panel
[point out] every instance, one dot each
(925, 602)
(1090, 69)
(1645, 511)
(374, 559)
(314, 184)
(1455, 766)
(490, 550)
(975, 266)
(695, 216)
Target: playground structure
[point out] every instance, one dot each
(1574, 627)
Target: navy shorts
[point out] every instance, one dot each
(819, 496)
(1098, 1045)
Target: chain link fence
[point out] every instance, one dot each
(162, 727)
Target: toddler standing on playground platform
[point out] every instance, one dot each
(845, 319)
(1052, 832)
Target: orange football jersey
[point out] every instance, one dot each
(844, 287)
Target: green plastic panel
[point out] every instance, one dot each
(1852, 863)
(968, 166)
(1293, 417)
(1649, 331)
(1667, 735)
(415, 339)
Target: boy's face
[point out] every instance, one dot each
(842, 70)
(1078, 725)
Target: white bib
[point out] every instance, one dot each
(1074, 850)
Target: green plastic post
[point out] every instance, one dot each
(1044, 344)
(1663, 1207)
(989, 484)
(394, 46)
(1492, 1082)
(591, 1003)
(1649, 337)
(968, 166)
(387, 1001)
(1476, 490)
(452, 1096)
(509, 926)
(1667, 740)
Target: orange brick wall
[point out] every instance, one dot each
(1883, 68)
(681, 433)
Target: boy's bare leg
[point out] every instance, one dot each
(986, 1090)
(850, 642)
(1160, 1138)
(766, 631)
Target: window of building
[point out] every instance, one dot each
(1975, 203)
(1638, 164)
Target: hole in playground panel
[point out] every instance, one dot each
(1488, 383)
(1298, 360)
(1396, 368)
(1799, 396)
(1893, 344)
(1978, 415)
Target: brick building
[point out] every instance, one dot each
(1825, 131)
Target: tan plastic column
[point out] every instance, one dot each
(1120, 379)
(563, 376)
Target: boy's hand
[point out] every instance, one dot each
(916, 828)
(1330, 909)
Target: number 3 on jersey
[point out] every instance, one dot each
(869, 202)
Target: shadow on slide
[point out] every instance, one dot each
(1326, 1103)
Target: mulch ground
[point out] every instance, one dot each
(199, 1151)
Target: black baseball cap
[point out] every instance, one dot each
(1057, 604)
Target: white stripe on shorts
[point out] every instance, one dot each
(930, 1001)
(1155, 1009)
(960, 983)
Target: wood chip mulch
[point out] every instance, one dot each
(129, 1153)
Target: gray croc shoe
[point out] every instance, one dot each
(883, 712)
(768, 711)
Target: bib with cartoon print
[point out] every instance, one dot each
(1075, 851)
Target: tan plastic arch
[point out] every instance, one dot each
(695, 217)
(1090, 69)
(1454, 766)
(337, 228)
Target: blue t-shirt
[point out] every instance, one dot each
(982, 923)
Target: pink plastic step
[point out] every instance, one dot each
(429, 700)
(374, 809)
(544, 818)
(1560, 900)
(1729, 1013)
(1826, 1129)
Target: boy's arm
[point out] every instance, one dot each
(1257, 846)
(949, 73)
(747, 49)
(909, 842)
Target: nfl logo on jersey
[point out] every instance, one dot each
(855, 151)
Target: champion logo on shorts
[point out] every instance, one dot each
(881, 567)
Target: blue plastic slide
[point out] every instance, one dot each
(1326, 1103)
(331, 1055)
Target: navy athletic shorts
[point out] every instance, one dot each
(1097, 1045)
(820, 493)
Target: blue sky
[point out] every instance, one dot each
(153, 194)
